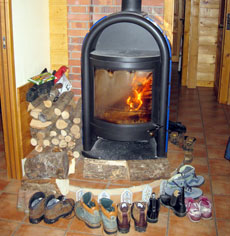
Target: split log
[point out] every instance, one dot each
(68, 138)
(63, 101)
(30, 107)
(33, 142)
(76, 154)
(41, 135)
(53, 94)
(39, 148)
(76, 120)
(46, 143)
(53, 133)
(75, 129)
(63, 132)
(63, 144)
(61, 137)
(47, 114)
(47, 164)
(71, 145)
(55, 141)
(57, 111)
(77, 136)
(47, 103)
(39, 101)
(37, 124)
(35, 112)
(61, 124)
(70, 110)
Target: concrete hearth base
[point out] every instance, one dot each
(77, 184)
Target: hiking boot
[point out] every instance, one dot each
(87, 210)
(123, 217)
(139, 215)
(176, 183)
(108, 215)
(36, 207)
(175, 202)
(153, 209)
(56, 208)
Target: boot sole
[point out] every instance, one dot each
(151, 220)
(123, 231)
(137, 228)
(107, 232)
(36, 221)
(140, 229)
(87, 224)
(51, 221)
(175, 212)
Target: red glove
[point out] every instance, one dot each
(60, 73)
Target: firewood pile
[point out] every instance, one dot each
(55, 122)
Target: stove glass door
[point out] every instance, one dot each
(123, 97)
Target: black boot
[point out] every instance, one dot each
(175, 202)
(153, 209)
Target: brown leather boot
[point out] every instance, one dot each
(37, 207)
(56, 208)
(123, 217)
(139, 215)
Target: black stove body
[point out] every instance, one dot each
(126, 74)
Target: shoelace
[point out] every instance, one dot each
(187, 188)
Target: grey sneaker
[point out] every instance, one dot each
(188, 174)
(87, 210)
(176, 183)
(108, 215)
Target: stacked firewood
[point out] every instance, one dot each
(55, 122)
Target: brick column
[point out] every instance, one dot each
(82, 14)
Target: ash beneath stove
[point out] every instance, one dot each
(116, 150)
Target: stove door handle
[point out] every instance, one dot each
(155, 127)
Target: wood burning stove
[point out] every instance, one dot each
(126, 72)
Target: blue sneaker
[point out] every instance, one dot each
(177, 183)
(188, 174)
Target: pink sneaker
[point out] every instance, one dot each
(205, 208)
(193, 210)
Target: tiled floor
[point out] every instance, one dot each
(206, 120)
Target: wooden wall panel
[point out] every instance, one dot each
(8, 99)
(199, 54)
(224, 85)
(58, 33)
(194, 44)
(24, 119)
(186, 43)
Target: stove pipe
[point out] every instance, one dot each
(131, 5)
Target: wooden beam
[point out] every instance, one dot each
(193, 44)
(224, 86)
(58, 33)
(186, 43)
(8, 95)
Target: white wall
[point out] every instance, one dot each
(31, 38)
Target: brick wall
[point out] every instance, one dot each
(82, 14)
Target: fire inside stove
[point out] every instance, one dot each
(123, 97)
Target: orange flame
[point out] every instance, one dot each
(139, 86)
